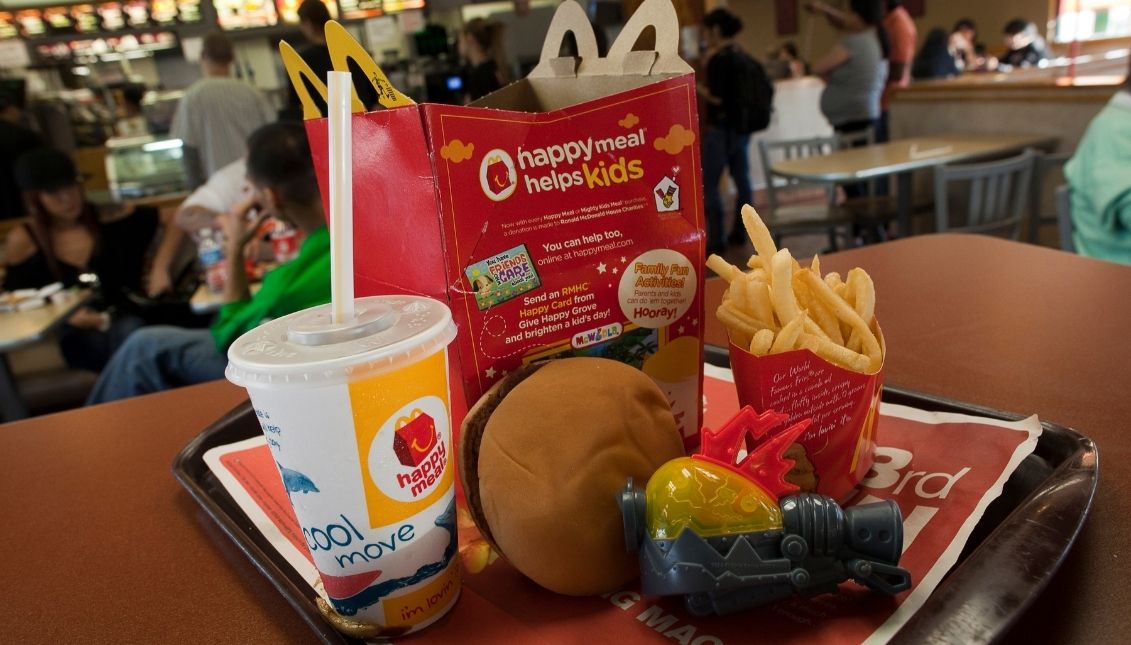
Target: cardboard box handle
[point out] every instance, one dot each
(660, 15)
(343, 48)
(568, 18)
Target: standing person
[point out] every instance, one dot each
(67, 237)
(855, 70)
(217, 113)
(1026, 47)
(283, 186)
(902, 34)
(1099, 174)
(739, 98)
(481, 45)
(312, 18)
(15, 139)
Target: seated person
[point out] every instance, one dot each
(1026, 47)
(1099, 174)
(935, 59)
(283, 186)
(66, 237)
(200, 210)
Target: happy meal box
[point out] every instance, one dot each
(559, 216)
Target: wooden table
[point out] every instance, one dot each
(206, 301)
(22, 328)
(104, 545)
(901, 158)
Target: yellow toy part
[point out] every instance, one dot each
(708, 498)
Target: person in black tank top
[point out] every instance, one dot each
(65, 239)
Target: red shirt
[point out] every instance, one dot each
(901, 33)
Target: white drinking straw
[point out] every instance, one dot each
(341, 197)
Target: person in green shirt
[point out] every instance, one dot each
(1099, 175)
(283, 186)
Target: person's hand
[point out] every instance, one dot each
(87, 318)
(238, 229)
(158, 281)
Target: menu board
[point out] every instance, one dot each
(393, 6)
(85, 18)
(243, 14)
(163, 12)
(188, 11)
(137, 13)
(8, 26)
(58, 20)
(358, 9)
(112, 17)
(31, 23)
(288, 10)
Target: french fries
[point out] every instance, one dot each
(777, 305)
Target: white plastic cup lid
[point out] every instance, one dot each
(306, 349)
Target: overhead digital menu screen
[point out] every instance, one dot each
(163, 12)
(137, 13)
(31, 23)
(358, 9)
(112, 17)
(58, 20)
(85, 18)
(244, 14)
(188, 11)
(393, 6)
(288, 10)
(8, 26)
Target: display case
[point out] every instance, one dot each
(145, 166)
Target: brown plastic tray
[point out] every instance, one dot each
(1010, 557)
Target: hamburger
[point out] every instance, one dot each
(542, 456)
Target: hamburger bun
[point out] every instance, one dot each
(544, 453)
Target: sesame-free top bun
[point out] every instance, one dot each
(554, 445)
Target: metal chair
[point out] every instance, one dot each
(998, 195)
(801, 218)
(1064, 218)
(873, 212)
(1044, 164)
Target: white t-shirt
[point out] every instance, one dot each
(223, 189)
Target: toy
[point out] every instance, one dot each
(711, 526)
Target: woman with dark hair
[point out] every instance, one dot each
(481, 44)
(935, 59)
(855, 70)
(66, 238)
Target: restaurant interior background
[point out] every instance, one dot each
(74, 63)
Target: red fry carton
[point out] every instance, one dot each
(844, 405)
(559, 216)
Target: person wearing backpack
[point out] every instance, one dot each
(739, 100)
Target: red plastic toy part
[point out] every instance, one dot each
(765, 440)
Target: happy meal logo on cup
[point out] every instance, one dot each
(409, 458)
(497, 175)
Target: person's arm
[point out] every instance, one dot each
(836, 18)
(237, 233)
(158, 280)
(836, 57)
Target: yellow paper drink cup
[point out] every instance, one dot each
(357, 417)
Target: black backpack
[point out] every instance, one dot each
(753, 95)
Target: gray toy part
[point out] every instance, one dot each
(820, 546)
